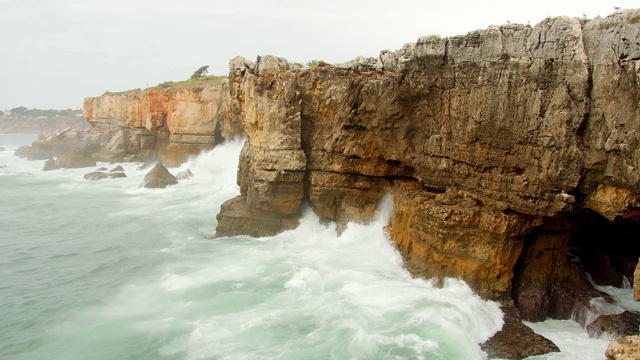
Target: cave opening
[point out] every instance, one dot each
(563, 258)
(607, 250)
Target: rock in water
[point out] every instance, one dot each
(99, 175)
(117, 175)
(147, 165)
(2, 149)
(50, 165)
(626, 348)
(516, 340)
(117, 169)
(158, 178)
(39, 150)
(76, 159)
(185, 174)
(625, 324)
(96, 175)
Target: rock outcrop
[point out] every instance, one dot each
(516, 340)
(55, 144)
(168, 124)
(617, 325)
(496, 145)
(158, 178)
(511, 153)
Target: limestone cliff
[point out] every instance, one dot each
(499, 146)
(169, 124)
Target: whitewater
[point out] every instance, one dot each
(109, 270)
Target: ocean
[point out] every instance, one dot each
(109, 270)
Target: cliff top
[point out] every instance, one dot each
(491, 44)
(202, 82)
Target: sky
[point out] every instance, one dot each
(54, 53)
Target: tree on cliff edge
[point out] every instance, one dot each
(201, 72)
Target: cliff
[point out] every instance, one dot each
(503, 148)
(169, 124)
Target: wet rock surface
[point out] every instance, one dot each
(516, 340)
(620, 325)
(498, 131)
(159, 178)
(184, 175)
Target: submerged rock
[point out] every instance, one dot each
(96, 175)
(158, 178)
(99, 175)
(117, 169)
(516, 340)
(185, 174)
(50, 165)
(147, 165)
(618, 325)
(117, 175)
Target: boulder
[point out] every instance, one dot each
(100, 175)
(117, 169)
(516, 340)
(50, 165)
(117, 175)
(39, 150)
(239, 65)
(618, 325)
(269, 64)
(76, 159)
(625, 348)
(96, 175)
(158, 178)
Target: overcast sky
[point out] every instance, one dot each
(54, 53)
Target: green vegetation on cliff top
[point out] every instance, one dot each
(198, 78)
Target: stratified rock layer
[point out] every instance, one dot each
(484, 139)
(168, 124)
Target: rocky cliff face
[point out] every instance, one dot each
(498, 147)
(169, 124)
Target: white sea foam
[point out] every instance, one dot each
(572, 340)
(112, 271)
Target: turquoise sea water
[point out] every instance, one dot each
(108, 270)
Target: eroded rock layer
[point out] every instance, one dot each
(168, 124)
(486, 140)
